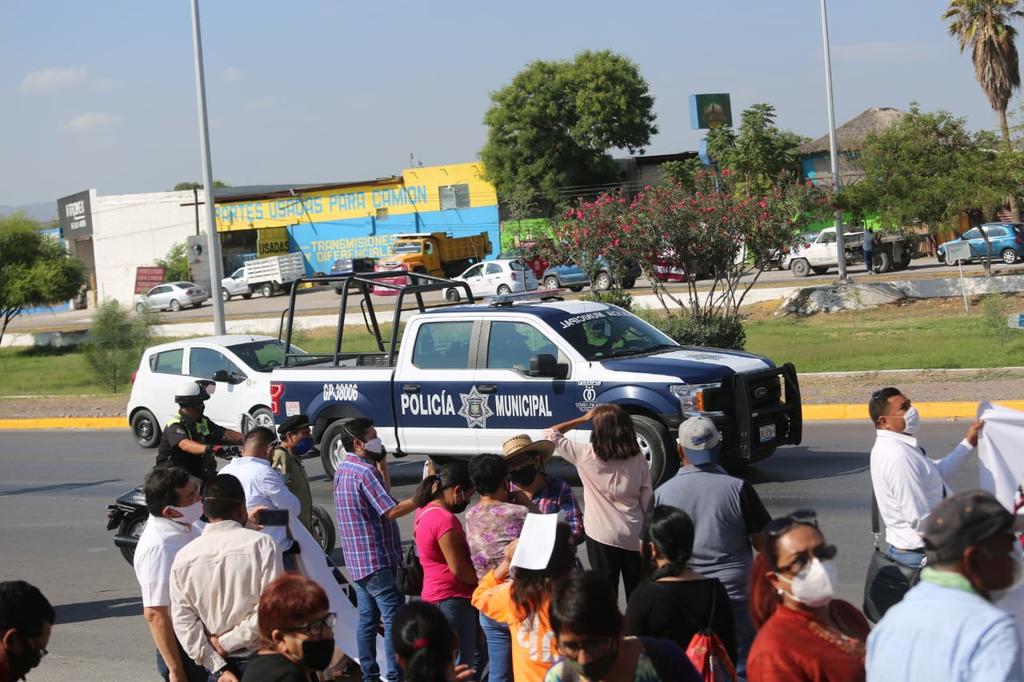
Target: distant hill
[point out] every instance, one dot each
(44, 211)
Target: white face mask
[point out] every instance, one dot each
(1018, 574)
(189, 514)
(912, 421)
(815, 585)
(374, 445)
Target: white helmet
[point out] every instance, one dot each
(192, 392)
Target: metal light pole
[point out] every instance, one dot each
(212, 239)
(833, 146)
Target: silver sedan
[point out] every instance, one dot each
(171, 296)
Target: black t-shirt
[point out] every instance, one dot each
(274, 668)
(202, 431)
(677, 609)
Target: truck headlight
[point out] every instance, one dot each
(691, 397)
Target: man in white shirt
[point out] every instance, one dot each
(906, 484)
(174, 506)
(265, 487)
(216, 581)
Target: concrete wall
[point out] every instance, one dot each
(130, 230)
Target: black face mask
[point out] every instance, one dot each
(523, 477)
(317, 653)
(28, 658)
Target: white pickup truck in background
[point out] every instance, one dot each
(892, 252)
(266, 276)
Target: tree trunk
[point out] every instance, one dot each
(1005, 128)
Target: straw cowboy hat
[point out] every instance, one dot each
(524, 445)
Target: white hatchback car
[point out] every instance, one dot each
(495, 277)
(240, 365)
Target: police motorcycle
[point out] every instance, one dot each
(128, 515)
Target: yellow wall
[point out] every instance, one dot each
(416, 192)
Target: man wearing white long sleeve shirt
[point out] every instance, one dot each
(906, 483)
(216, 582)
(265, 487)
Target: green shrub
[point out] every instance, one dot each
(115, 344)
(175, 263)
(712, 331)
(619, 297)
(995, 311)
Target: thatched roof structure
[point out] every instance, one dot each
(851, 135)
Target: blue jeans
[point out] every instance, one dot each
(744, 636)
(867, 260)
(463, 618)
(908, 559)
(377, 599)
(499, 649)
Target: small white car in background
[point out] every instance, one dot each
(171, 296)
(495, 277)
(240, 365)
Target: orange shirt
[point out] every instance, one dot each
(533, 643)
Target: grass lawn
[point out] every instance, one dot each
(926, 335)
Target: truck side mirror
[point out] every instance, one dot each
(545, 365)
(221, 375)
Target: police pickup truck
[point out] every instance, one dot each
(466, 377)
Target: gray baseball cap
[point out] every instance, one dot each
(700, 439)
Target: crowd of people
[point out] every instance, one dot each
(493, 587)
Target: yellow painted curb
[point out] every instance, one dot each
(65, 423)
(937, 410)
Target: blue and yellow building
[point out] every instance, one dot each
(355, 220)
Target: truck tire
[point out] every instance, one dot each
(332, 452)
(145, 429)
(1009, 256)
(224, 295)
(884, 262)
(603, 281)
(652, 437)
(800, 267)
(132, 526)
(321, 527)
(261, 416)
(267, 290)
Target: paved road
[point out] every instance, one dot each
(55, 489)
(323, 299)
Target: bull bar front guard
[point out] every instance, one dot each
(789, 410)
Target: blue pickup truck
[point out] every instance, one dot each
(462, 378)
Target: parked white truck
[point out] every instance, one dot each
(265, 276)
(892, 252)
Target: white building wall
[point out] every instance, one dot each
(130, 230)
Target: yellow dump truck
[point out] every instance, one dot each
(436, 253)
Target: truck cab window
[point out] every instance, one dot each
(443, 345)
(512, 344)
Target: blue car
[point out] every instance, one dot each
(1007, 243)
(572, 277)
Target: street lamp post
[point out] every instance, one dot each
(213, 240)
(832, 144)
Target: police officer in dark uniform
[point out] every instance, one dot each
(190, 439)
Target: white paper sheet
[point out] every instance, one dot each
(536, 542)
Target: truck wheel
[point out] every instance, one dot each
(1009, 256)
(884, 262)
(332, 452)
(145, 429)
(504, 290)
(321, 527)
(267, 290)
(224, 295)
(652, 437)
(800, 268)
(451, 295)
(261, 416)
(174, 306)
(603, 281)
(131, 526)
(550, 282)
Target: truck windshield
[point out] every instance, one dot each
(407, 247)
(263, 356)
(609, 333)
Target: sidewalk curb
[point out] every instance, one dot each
(812, 412)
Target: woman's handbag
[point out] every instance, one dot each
(887, 581)
(409, 574)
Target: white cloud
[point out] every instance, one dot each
(233, 74)
(882, 53)
(92, 121)
(53, 79)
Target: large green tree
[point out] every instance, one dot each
(35, 269)
(759, 153)
(551, 129)
(927, 169)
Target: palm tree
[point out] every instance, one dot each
(984, 25)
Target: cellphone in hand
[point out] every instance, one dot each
(272, 517)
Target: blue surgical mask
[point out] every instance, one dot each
(303, 446)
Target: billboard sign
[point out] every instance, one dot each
(710, 111)
(147, 277)
(75, 214)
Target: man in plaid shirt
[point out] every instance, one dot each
(370, 541)
(525, 458)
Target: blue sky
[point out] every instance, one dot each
(101, 94)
